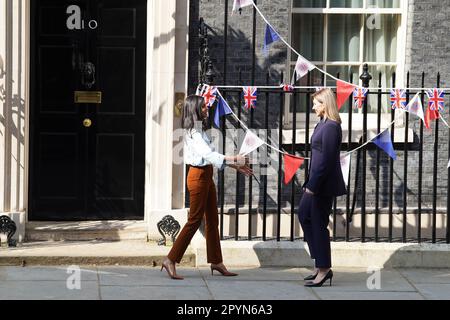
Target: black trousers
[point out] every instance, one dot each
(314, 215)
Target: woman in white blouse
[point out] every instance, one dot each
(201, 157)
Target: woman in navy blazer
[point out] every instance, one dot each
(325, 181)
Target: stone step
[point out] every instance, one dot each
(126, 253)
(344, 254)
(86, 231)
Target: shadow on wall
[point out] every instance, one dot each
(17, 108)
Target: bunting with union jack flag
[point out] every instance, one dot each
(209, 94)
(287, 87)
(250, 97)
(436, 101)
(398, 99)
(359, 96)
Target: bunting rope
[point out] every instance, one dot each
(346, 154)
(316, 67)
(330, 87)
(288, 154)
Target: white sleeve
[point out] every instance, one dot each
(202, 148)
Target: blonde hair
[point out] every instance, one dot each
(328, 99)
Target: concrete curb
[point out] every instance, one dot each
(150, 261)
(129, 253)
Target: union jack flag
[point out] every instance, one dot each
(359, 95)
(209, 95)
(398, 99)
(436, 100)
(288, 87)
(250, 97)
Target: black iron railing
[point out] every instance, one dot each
(354, 204)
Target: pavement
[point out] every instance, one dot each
(148, 283)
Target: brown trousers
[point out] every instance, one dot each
(203, 202)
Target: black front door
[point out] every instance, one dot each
(87, 149)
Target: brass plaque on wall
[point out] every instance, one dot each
(88, 97)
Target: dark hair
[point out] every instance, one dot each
(192, 113)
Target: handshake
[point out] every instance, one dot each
(240, 163)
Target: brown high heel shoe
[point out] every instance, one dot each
(172, 275)
(223, 271)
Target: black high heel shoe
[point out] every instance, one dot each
(329, 275)
(311, 277)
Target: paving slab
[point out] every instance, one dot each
(256, 274)
(434, 291)
(259, 290)
(427, 276)
(355, 279)
(45, 273)
(47, 290)
(373, 295)
(134, 276)
(154, 293)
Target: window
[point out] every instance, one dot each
(340, 36)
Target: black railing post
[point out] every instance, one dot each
(377, 178)
(365, 77)
(280, 160)
(435, 170)
(391, 171)
(405, 167)
(419, 196)
(206, 67)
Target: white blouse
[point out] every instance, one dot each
(199, 151)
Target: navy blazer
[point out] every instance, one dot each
(325, 174)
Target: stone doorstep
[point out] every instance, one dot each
(296, 254)
(86, 230)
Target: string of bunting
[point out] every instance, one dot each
(398, 99)
(291, 162)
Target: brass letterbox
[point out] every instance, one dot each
(88, 97)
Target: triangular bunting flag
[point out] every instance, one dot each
(345, 167)
(415, 107)
(344, 90)
(270, 37)
(431, 115)
(291, 165)
(238, 4)
(302, 67)
(384, 142)
(222, 109)
(251, 143)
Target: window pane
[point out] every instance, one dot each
(380, 44)
(384, 3)
(307, 36)
(344, 37)
(346, 3)
(310, 3)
